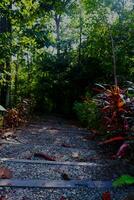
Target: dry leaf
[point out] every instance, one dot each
(5, 173)
(65, 177)
(62, 198)
(66, 145)
(106, 196)
(75, 154)
(44, 156)
(3, 198)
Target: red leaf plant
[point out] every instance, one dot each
(113, 109)
(116, 108)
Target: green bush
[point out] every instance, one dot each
(88, 113)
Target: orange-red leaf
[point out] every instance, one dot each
(98, 90)
(114, 139)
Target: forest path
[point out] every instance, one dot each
(73, 157)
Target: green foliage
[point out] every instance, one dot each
(88, 113)
(58, 49)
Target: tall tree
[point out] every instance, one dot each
(5, 39)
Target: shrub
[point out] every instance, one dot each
(88, 113)
(12, 118)
(116, 108)
(19, 115)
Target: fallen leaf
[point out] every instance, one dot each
(62, 198)
(96, 132)
(44, 156)
(65, 177)
(8, 184)
(9, 134)
(29, 157)
(5, 173)
(66, 145)
(131, 138)
(106, 196)
(3, 198)
(90, 137)
(25, 198)
(75, 154)
(94, 158)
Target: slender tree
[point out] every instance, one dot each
(5, 30)
(80, 32)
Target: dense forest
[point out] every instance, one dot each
(53, 52)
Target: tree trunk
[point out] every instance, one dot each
(80, 35)
(29, 75)
(5, 26)
(16, 82)
(8, 79)
(57, 22)
(114, 61)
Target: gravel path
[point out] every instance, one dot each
(63, 141)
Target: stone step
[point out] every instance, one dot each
(47, 184)
(68, 163)
(53, 131)
(43, 139)
(77, 193)
(53, 135)
(30, 169)
(58, 128)
(61, 153)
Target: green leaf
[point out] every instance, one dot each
(123, 180)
